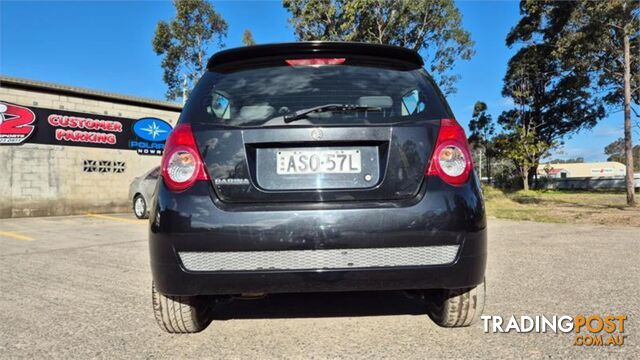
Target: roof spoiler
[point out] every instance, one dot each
(314, 48)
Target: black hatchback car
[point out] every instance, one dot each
(314, 167)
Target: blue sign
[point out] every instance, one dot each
(151, 134)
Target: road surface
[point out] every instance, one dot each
(79, 287)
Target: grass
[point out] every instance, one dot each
(581, 207)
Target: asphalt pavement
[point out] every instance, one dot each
(79, 287)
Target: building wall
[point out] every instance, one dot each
(580, 170)
(42, 180)
(587, 183)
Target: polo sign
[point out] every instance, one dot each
(149, 136)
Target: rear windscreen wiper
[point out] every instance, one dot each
(300, 114)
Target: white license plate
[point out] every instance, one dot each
(330, 161)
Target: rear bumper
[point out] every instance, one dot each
(192, 223)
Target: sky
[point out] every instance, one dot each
(107, 46)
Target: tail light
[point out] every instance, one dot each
(451, 159)
(181, 162)
(315, 62)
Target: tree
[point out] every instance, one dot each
(595, 39)
(616, 152)
(601, 37)
(482, 131)
(247, 38)
(184, 43)
(551, 101)
(524, 148)
(578, 159)
(432, 27)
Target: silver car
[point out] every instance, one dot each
(141, 192)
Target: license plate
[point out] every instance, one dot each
(330, 161)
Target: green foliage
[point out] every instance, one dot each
(566, 161)
(482, 130)
(586, 37)
(615, 152)
(552, 101)
(595, 44)
(184, 42)
(590, 40)
(433, 27)
(481, 125)
(553, 98)
(522, 145)
(505, 175)
(247, 38)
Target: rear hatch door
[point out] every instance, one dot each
(311, 164)
(255, 152)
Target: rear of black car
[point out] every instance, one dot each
(317, 167)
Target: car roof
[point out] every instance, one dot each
(314, 48)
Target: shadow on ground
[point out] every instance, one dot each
(314, 305)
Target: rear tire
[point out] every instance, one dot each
(181, 314)
(456, 307)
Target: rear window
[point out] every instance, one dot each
(262, 96)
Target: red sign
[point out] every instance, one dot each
(15, 123)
